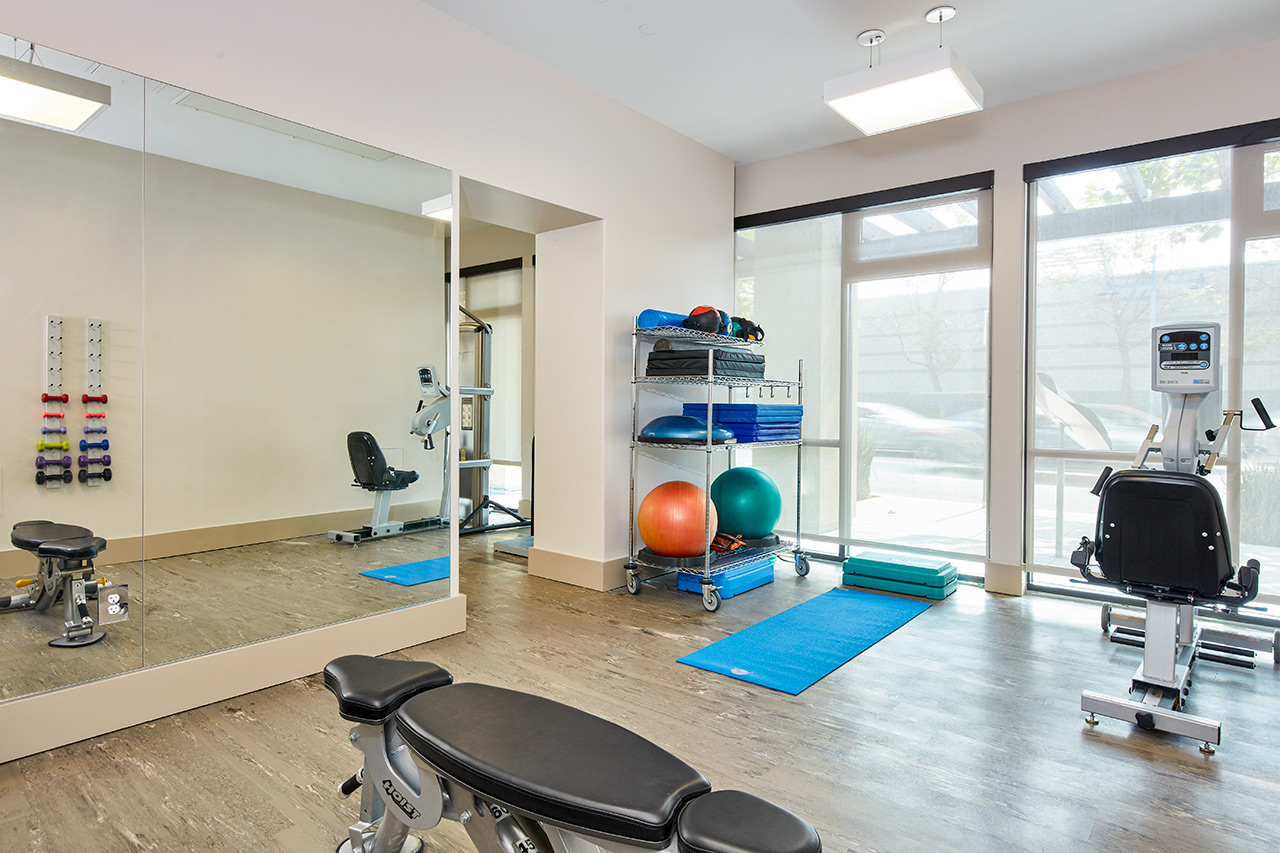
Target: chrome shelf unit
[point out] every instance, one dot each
(639, 568)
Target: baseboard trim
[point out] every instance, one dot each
(153, 546)
(580, 571)
(65, 715)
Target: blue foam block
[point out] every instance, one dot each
(733, 582)
(411, 574)
(798, 647)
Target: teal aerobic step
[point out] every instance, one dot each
(922, 576)
(916, 589)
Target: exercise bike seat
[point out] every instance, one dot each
(551, 762)
(30, 535)
(79, 548)
(1163, 535)
(369, 689)
(370, 466)
(738, 822)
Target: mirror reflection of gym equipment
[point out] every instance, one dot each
(369, 465)
(475, 466)
(1162, 535)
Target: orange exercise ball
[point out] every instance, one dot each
(672, 520)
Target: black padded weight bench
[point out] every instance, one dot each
(1162, 535)
(525, 774)
(66, 553)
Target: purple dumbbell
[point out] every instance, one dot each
(46, 430)
(86, 461)
(95, 445)
(51, 462)
(92, 430)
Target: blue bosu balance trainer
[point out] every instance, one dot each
(920, 576)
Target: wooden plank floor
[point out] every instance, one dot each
(196, 603)
(962, 731)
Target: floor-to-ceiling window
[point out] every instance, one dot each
(1115, 250)
(887, 306)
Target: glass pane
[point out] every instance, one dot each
(1271, 180)
(904, 230)
(1259, 532)
(496, 299)
(922, 410)
(788, 281)
(1119, 251)
(293, 287)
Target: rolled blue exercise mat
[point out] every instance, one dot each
(651, 318)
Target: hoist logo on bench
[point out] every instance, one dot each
(400, 800)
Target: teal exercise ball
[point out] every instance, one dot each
(747, 503)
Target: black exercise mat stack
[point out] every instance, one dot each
(727, 362)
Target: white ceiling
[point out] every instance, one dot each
(744, 77)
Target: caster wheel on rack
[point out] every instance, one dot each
(802, 565)
(1106, 619)
(711, 598)
(633, 583)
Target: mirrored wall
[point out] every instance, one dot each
(262, 290)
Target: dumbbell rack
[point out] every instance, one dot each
(54, 470)
(94, 470)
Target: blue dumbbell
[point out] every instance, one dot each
(94, 445)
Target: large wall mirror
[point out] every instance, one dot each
(263, 290)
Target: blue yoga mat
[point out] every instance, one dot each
(412, 573)
(798, 647)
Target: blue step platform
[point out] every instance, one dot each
(733, 581)
(919, 576)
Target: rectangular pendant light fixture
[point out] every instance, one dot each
(41, 95)
(915, 90)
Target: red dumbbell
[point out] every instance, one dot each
(54, 398)
(85, 398)
(54, 415)
(94, 414)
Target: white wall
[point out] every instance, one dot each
(402, 76)
(278, 321)
(1231, 89)
(260, 325)
(71, 238)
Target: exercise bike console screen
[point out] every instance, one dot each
(1184, 358)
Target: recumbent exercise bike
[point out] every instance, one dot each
(524, 774)
(1162, 535)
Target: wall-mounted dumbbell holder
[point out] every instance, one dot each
(94, 396)
(52, 399)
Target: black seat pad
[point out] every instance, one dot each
(370, 689)
(551, 761)
(79, 548)
(30, 535)
(737, 822)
